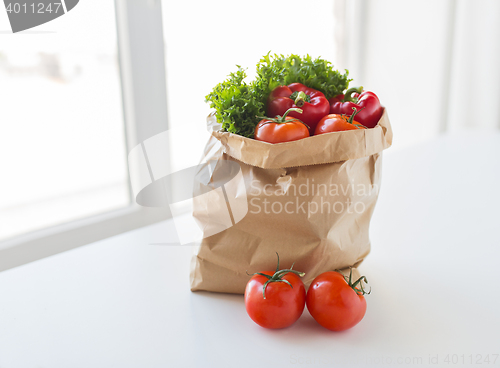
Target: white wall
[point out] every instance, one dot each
(475, 83)
(433, 63)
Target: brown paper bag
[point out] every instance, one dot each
(309, 200)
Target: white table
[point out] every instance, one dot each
(123, 302)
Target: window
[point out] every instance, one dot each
(83, 89)
(62, 150)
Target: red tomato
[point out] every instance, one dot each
(275, 299)
(281, 129)
(336, 123)
(336, 303)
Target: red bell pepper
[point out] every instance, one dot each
(313, 103)
(354, 97)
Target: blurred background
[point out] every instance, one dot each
(63, 131)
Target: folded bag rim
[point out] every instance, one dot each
(315, 150)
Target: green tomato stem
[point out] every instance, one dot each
(354, 112)
(278, 276)
(283, 118)
(361, 290)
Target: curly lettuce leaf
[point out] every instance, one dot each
(314, 73)
(236, 104)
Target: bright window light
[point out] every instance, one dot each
(62, 139)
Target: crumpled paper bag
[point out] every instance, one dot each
(309, 200)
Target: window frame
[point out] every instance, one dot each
(144, 103)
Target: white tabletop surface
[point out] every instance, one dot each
(434, 270)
